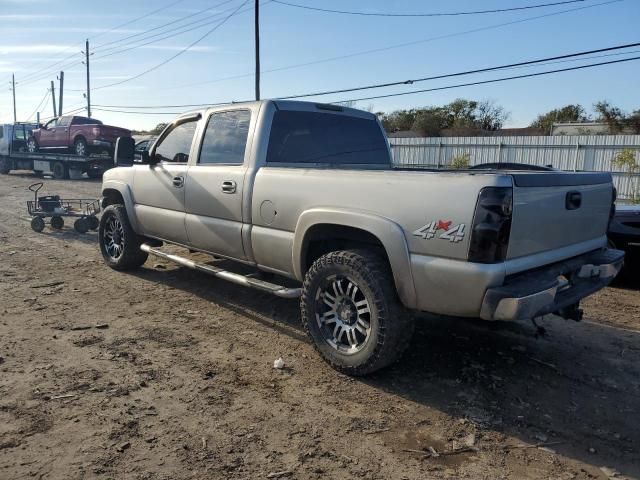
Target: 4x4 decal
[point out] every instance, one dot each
(453, 233)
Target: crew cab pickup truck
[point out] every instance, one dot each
(79, 135)
(306, 194)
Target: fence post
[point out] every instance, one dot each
(439, 155)
(500, 151)
(575, 156)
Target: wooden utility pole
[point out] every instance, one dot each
(61, 92)
(257, 34)
(86, 61)
(13, 90)
(53, 98)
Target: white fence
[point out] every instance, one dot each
(591, 153)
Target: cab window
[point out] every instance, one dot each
(51, 123)
(64, 121)
(225, 139)
(176, 145)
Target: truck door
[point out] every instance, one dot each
(215, 184)
(48, 133)
(159, 190)
(61, 135)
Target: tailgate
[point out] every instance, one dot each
(114, 132)
(555, 209)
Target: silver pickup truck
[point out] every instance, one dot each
(305, 194)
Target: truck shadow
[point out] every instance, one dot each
(578, 385)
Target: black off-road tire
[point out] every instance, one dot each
(93, 222)
(5, 166)
(81, 225)
(131, 256)
(391, 324)
(60, 171)
(57, 222)
(37, 224)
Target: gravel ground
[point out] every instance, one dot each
(179, 381)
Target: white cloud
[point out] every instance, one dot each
(176, 48)
(23, 16)
(36, 48)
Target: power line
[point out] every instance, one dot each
(412, 81)
(177, 20)
(134, 112)
(99, 34)
(446, 87)
(138, 18)
(396, 46)
(495, 80)
(440, 14)
(458, 74)
(207, 20)
(46, 95)
(155, 67)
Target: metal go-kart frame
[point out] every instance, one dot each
(52, 206)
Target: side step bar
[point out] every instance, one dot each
(272, 288)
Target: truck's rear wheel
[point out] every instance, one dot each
(119, 243)
(352, 312)
(60, 171)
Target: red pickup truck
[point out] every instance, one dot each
(79, 135)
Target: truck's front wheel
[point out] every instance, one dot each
(119, 243)
(352, 312)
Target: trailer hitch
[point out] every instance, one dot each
(572, 312)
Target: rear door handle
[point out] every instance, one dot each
(178, 182)
(229, 186)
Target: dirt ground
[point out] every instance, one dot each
(179, 381)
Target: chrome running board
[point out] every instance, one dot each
(247, 281)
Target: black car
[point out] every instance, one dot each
(624, 229)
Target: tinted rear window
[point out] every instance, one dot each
(85, 121)
(310, 137)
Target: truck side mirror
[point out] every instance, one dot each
(123, 154)
(145, 158)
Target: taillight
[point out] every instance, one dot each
(614, 197)
(491, 225)
(96, 131)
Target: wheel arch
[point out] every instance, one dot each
(79, 136)
(319, 231)
(114, 193)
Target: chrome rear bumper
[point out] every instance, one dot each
(551, 288)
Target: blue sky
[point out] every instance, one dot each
(38, 33)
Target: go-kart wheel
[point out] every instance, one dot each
(93, 222)
(37, 224)
(57, 222)
(81, 225)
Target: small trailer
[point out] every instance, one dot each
(14, 156)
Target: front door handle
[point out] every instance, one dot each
(229, 186)
(178, 182)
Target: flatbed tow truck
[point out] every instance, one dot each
(14, 156)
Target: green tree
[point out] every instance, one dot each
(158, 128)
(612, 116)
(568, 113)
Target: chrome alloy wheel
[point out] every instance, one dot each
(113, 238)
(31, 146)
(343, 314)
(81, 149)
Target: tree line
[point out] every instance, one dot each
(465, 116)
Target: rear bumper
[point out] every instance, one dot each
(551, 288)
